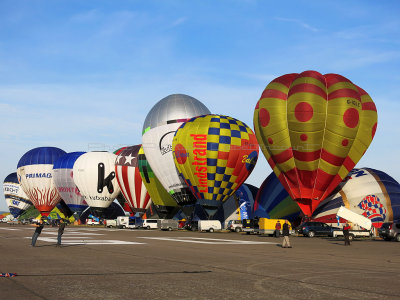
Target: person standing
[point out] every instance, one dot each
(346, 234)
(285, 232)
(61, 228)
(278, 229)
(39, 228)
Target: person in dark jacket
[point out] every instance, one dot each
(61, 228)
(37, 232)
(285, 232)
(346, 234)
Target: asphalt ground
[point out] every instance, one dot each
(100, 263)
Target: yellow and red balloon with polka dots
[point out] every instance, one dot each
(313, 129)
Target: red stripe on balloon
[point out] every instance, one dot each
(307, 88)
(344, 93)
(307, 156)
(271, 93)
(138, 187)
(125, 181)
(369, 106)
(283, 156)
(331, 158)
(271, 162)
(348, 163)
(286, 79)
(313, 74)
(332, 79)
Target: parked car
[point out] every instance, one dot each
(235, 225)
(150, 224)
(191, 225)
(390, 231)
(312, 229)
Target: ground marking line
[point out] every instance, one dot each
(204, 241)
(88, 242)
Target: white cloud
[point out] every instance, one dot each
(298, 22)
(179, 21)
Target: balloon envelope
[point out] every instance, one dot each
(16, 199)
(35, 174)
(368, 192)
(274, 202)
(165, 204)
(94, 175)
(214, 154)
(313, 128)
(63, 178)
(130, 181)
(158, 131)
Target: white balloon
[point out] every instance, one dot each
(94, 175)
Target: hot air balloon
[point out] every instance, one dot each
(35, 174)
(313, 129)
(158, 131)
(165, 205)
(239, 206)
(94, 175)
(63, 178)
(214, 154)
(16, 199)
(368, 192)
(273, 201)
(129, 180)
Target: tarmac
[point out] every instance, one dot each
(102, 263)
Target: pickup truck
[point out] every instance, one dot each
(92, 222)
(361, 226)
(352, 233)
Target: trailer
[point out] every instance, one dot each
(167, 224)
(110, 223)
(209, 225)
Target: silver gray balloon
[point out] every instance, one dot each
(174, 108)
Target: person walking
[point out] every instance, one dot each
(61, 228)
(278, 229)
(39, 228)
(285, 232)
(346, 234)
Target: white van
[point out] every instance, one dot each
(209, 225)
(150, 223)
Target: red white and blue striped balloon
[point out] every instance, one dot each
(130, 181)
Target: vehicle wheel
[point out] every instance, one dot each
(311, 234)
(398, 238)
(387, 238)
(169, 229)
(211, 230)
(237, 229)
(148, 227)
(351, 237)
(247, 232)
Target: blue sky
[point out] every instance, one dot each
(82, 75)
